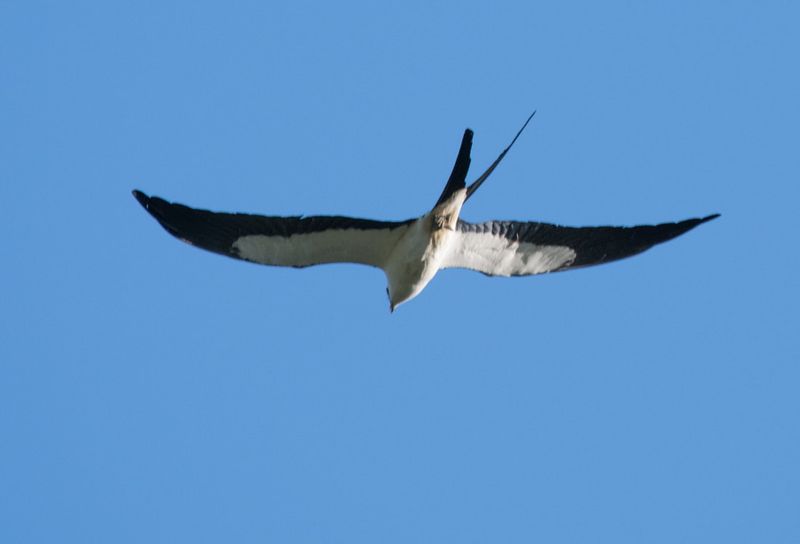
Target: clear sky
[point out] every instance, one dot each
(153, 392)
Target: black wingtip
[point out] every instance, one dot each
(143, 199)
(596, 245)
(669, 231)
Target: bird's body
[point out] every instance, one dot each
(421, 251)
(412, 252)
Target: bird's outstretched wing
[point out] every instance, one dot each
(512, 248)
(279, 241)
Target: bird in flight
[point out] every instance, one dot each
(411, 252)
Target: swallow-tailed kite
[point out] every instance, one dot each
(411, 252)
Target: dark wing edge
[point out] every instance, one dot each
(511, 245)
(219, 232)
(598, 245)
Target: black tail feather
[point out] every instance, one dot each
(477, 183)
(458, 177)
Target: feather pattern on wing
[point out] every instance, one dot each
(515, 248)
(280, 241)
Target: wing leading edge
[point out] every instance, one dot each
(278, 241)
(512, 248)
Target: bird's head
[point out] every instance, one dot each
(398, 296)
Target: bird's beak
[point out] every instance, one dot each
(391, 306)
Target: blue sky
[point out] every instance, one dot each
(152, 392)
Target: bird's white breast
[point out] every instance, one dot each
(418, 255)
